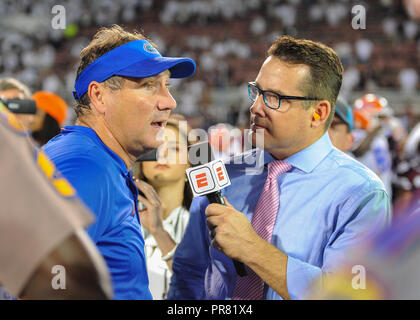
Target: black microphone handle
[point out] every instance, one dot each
(216, 197)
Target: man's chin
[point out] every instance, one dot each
(142, 148)
(152, 146)
(257, 139)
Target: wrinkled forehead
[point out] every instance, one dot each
(164, 74)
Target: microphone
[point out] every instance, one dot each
(208, 176)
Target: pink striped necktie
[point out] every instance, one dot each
(251, 287)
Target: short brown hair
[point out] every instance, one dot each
(103, 41)
(326, 70)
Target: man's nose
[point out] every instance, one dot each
(258, 107)
(167, 101)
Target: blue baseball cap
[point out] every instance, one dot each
(345, 113)
(137, 59)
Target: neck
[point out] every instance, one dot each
(281, 154)
(171, 194)
(101, 129)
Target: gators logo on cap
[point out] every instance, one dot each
(149, 48)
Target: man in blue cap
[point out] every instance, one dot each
(341, 127)
(123, 103)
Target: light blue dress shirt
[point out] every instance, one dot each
(328, 203)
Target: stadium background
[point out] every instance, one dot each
(228, 39)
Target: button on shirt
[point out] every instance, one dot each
(105, 185)
(327, 201)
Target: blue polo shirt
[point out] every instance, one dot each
(105, 185)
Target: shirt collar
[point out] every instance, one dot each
(308, 158)
(89, 132)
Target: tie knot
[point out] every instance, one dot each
(276, 168)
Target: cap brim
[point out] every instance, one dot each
(344, 117)
(179, 68)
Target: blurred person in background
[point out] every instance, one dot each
(11, 88)
(411, 144)
(226, 140)
(341, 127)
(395, 133)
(408, 178)
(45, 252)
(371, 145)
(167, 196)
(123, 104)
(50, 116)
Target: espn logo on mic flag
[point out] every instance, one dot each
(208, 177)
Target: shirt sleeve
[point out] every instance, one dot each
(191, 257)
(360, 217)
(93, 185)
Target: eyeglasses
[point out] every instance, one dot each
(272, 99)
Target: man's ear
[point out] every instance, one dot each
(321, 113)
(96, 93)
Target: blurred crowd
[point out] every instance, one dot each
(228, 39)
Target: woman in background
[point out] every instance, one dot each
(50, 116)
(167, 197)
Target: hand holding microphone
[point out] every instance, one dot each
(208, 177)
(230, 230)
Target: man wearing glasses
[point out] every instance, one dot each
(294, 222)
